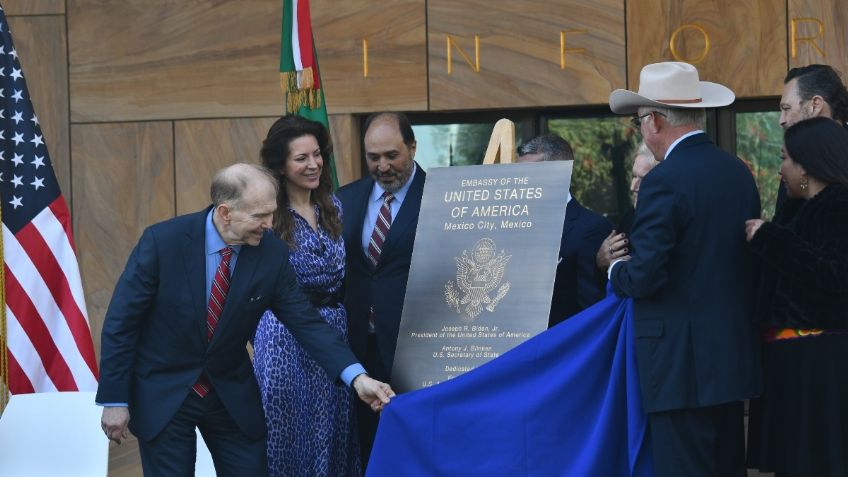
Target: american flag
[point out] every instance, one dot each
(47, 331)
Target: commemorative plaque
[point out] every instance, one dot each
(483, 267)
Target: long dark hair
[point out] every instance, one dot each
(820, 146)
(275, 152)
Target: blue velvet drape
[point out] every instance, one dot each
(565, 403)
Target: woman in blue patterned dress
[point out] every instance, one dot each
(310, 419)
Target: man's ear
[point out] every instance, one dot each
(654, 124)
(817, 103)
(224, 210)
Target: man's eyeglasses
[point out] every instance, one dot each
(636, 121)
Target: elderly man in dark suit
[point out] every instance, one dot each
(380, 218)
(690, 277)
(173, 351)
(578, 283)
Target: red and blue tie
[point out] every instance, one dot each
(381, 229)
(220, 287)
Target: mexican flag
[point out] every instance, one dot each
(299, 75)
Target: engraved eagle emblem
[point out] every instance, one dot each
(477, 275)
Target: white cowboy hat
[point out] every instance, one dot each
(670, 84)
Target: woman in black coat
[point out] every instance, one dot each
(800, 425)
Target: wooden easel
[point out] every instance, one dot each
(501, 144)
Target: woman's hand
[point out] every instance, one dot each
(613, 248)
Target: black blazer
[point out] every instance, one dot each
(691, 279)
(154, 344)
(382, 288)
(579, 283)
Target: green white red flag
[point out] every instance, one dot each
(299, 74)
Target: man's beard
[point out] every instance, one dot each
(398, 183)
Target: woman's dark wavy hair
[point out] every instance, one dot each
(824, 81)
(275, 152)
(820, 146)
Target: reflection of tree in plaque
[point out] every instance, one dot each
(477, 276)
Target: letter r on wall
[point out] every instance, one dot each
(793, 26)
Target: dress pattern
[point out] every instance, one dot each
(310, 420)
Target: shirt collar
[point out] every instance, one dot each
(681, 138)
(400, 194)
(214, 242)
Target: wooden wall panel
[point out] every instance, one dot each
(203, 147)
(41, 46)
(397, 54)
(520, 46)
(826, 26)
(33, 7)
(347, 147)
(745, 42)
(161, 59)
(124, 459)
(123, 179)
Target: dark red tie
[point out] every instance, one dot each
(220, 287)
(381, 229)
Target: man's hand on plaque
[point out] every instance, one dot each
(372, 392)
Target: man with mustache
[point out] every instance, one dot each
(380, 216)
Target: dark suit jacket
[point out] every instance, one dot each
(691, 280)
(154, 344)
(383, 288)
(579, 283)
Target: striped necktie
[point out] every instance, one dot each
(220, 287)
(381, 229)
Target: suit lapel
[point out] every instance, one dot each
(358, 220)
(194, 256)
(408, 213)
(242, 276)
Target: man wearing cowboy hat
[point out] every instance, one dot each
(690, 277)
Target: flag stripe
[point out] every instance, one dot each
(46, 310)
(295, 39)
(19, 382)
(26, 357)
(304, 33)
(62, 215)
(55, 229)
(54, 277)
(19, 302)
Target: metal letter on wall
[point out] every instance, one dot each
(810, 39)
(474, 66)
(742, 45)
(672, 42)
(364, 58)
(526, 59)
(563, 50)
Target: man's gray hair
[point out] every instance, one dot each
(229, 183)
(681, 116)
(642, 150)
(552, 147)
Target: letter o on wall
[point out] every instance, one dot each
(673, 41)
